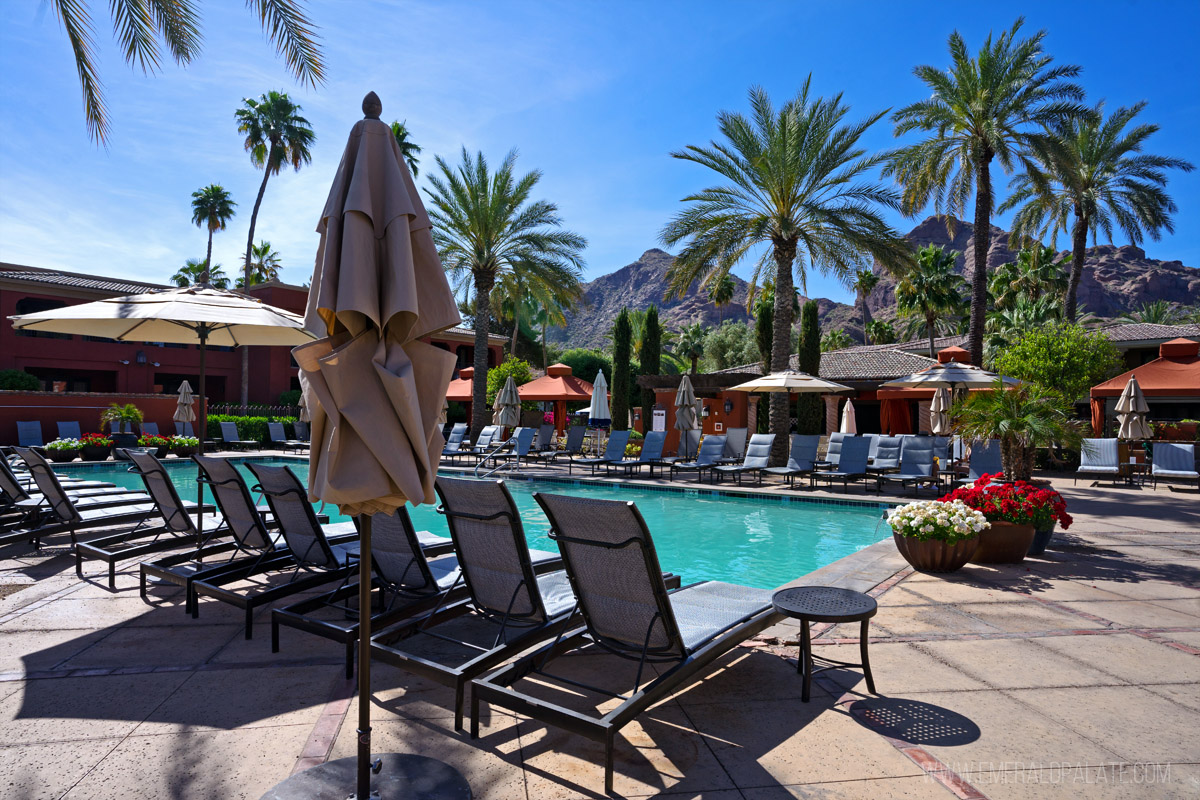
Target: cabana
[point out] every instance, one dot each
(557, 386)
(1171, 384)
(461, 389)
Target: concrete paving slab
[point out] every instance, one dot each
(1018, 663)
(154, 646)
(33, 650)
(1136, 614)
(1143, 589)
(47, 771)
(899, 788)
(898, 668)
(918, 620)
(741, 675)
(1026, 616)
(1127, 656)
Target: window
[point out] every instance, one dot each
(32, 305)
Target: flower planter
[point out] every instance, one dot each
(1041, 538)
(121, 440)
(934, 555)
(95, 452)
(1003, 543)
(62, 456)
(184, 452)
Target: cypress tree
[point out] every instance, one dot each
(810, 414)
(622, 351)
(764, 326)
(651, 363)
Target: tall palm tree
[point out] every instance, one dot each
(191, 272)
(931, 290)
(796, 180)
(265, 263)
(485, 225)
(138, 26)
(1089, 174)
(865, 281)
(276, 135)
(990, 106)
(408, 148)
(720, 292)
(1033, 274)
(691, 343)
(212, 208)
(519, 293)
(1159, 312)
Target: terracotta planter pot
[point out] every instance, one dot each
(183, 452)
(1004, 543)
(95, 452)
(62, 456)
(934, 555)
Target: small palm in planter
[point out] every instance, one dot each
(121, 420)
(1014, 510)
(936, 536)
(96, 446)
(63, 450)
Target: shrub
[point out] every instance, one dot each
(249, 427)
(1066, 358)
(19, 380)
(586, 363)
(289, 398)
(520, 372)
(731, 345)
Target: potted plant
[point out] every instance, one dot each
(184, 446)
(95, 446)
(161, 442)
(1023, 418)
(63, 450)
(121, 420)
(1012, 512)
(1049, 509)
(936, 536)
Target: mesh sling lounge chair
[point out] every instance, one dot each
(735, 444)
(916, 465)
(627, 612)
(301, 429)
(69, 430)
(803, 452)
(488, 438)
(758, 456)
(21, 504)
(455, 439)
(614, 451)
(1099, 457)
(545, 438)
(872, 445)
(518, 446)
(505, 593)
(887, 454)
(278, 435)
(689, 446)
(983, 460)
(1174, 462)
(408, 584)
(572, 448)
(184, 429)
(833, 450)
(149, 429)
(852, 463)
(706, 460)
(29, 434)
(650, 457)
(231, 437)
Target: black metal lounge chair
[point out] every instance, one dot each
(706, 460)
(1099, 457)
(17, 496)
(487, 439)
(852, 463)
(301, 429)
(1174, 462)
(545, 439)
(517, 447)
(605, 544)
(689, 446)
(614, 451)
(650, 457)
(505, 593)
(149, 429)
(231, 437)
(916, 465)
(800, 459)
(278, 435)
(758, 456)
(408, 583)
(572, 448)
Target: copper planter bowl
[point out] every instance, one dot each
(934, 555)
(1004, 543)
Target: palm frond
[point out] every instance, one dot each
(294, 37)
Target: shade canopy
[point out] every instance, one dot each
(557, 384)
(1131, 412)
(939, 418)
(792, 382)
(849, 419)
(462, 388)
(1175, 373)
(951, 375)
(508, 405)
(598, 413)
(183, 407)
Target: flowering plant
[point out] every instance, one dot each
(1018, 502)
(184, 441)
(948, 522)
(150, 440)
(64, 444)
(548, 418)
(96, 440)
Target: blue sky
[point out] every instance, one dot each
(595, 95)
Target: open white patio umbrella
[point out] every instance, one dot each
(939, 418)
(849, 421)
(507, 405)
(686, 418)
(792, 382)
(953, 375)
(183, 408)
(378, 289)
(1131, 412)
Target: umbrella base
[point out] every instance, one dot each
(403, 776)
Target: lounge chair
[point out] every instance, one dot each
(150, 429)
(278, 435)
(833, 450)
(916, 465)
(454, 441)
(22, 505)
(872, 445)
(545, 438)
(689, 446)
(852, 463)
(606, 544)
(800, 459)
(614, 451)
(983, 460)
(504, 591)
(231, 437)
(735, 444)
(29, 434)
(572, 448)
(517, 447)
(887, 454)
(488, 438)
(1099, 457)
(707, 459)
(69, 430)
(650, 457)
(758, 456)
(301, 431)
(408, 584)
(1174, 462)
(184, 429)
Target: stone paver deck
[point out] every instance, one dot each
(1072, 675)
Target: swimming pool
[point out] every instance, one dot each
(700, 535)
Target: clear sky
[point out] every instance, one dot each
(596, 95)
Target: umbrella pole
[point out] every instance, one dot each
(364, 658)
(202, 333)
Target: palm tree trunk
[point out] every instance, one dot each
(484, 281)
(983, 240)
(781, 345)
(545, 365)
(207, 259)
(262, 189)
(512, 350)
(1078, 256)
(929, 333)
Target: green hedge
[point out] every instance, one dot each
(19, 380)
(249, 427)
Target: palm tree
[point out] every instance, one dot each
(796, 180)
(1090, 173)
(265, 264)
(993, 106)
(836, 339)
(1025, 313)
(720, 292)
(519, 295)
(408, 148)
(864, 282)
(276, 135)
(1159, 312)
(1035, 273)
(691, 344)
(139, 25)
(931, 291)
(191, 272)
(485, 226)
(212, 208)
(881, 332)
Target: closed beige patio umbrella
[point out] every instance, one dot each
(508, 405)
(183, 409)
(376, 389)
(686, 418)
(939, 417)
(1131, 412)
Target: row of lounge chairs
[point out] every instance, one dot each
(29, 434)
(1170, 461)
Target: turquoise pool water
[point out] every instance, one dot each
(761, 542)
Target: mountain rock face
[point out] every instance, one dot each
(1115, 280)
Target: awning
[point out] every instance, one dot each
(1175, 373)
(557, 384)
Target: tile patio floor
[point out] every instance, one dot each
(1073, 675)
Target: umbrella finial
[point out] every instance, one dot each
(371, 106)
